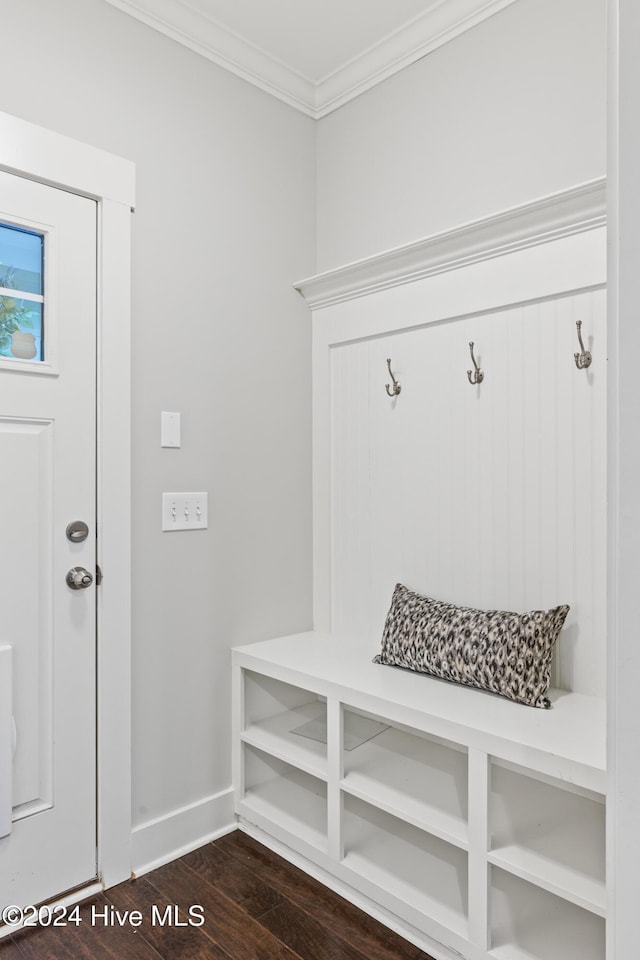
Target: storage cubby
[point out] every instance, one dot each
(417, 869)
(527, 923)
(276, 712)
(464, 819)
(276, 792)
(421, 779)
(550, 834)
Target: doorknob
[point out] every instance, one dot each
(78, 578)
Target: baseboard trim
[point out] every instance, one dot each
(177, 833)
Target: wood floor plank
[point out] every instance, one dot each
(171, 942)
(257, 906)
(227, 924)
(245, 887)
(347, 921)
(117, 942)
(307, 936)
(8, 949)
(54, 945)
(90, 940)
(121, 942)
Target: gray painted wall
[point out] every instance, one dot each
(509, 111)
(224, 224)
(230, 184)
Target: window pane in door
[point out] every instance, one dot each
(21, 259)
(21, 293)
(20, 329)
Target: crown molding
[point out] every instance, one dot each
(443, 22)
(558, 215)
(421, 36)
(224, 48)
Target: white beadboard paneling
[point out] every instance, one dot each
(389, 469)
(600, 495)
(491, 286)
(491, 495)
(565, 494)
(350, 488)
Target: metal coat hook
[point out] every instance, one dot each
(395, 390)
(477, 375)
(584, 358)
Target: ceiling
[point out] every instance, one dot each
(314, 54)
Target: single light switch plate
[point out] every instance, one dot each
(169, 429)
(184, 511)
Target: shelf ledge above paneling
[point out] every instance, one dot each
(558, 215)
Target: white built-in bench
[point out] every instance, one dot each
(473, 824)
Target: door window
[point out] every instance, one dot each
(21, 294)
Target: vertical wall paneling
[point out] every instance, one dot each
(491, 495)
(350, 488)
(391, 467)
(565, 497)
(322, 394)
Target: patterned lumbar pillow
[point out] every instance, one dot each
(506, 653)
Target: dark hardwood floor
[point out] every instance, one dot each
(254, 904)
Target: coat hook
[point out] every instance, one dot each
(476, 376)
(395, 390)
(584, 358)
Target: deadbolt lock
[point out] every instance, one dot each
(77, 531)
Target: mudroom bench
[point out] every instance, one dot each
(472, 825)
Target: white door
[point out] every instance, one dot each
(47, 481)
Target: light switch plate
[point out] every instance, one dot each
(184, 511)
(169, 429)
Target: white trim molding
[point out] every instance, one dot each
(440, 24)
(223, 47)
(558, 215)
(623, 834)
(48, 157)
(179, 832)
(316, 97)
(28, 150)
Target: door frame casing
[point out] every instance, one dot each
(35, 153)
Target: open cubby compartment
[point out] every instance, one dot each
(414, 873)
(528, 923)
(274, 711)
(549, 832)
(419, 778)
(277, 793)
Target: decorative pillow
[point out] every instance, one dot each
(506, 653)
